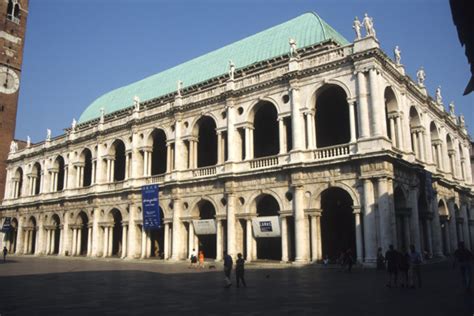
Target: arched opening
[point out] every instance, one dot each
(19, 180)
(402, 219)
(268, 247)
(266, 132)
(415, 132)
(117, 233)
(435, 145)
(337, 223)
(332, 117)
(31, 235)
(16, 11)
(59, 166)
(11, 236)
(157, 240)
(83, 220)
(56, 234)
(10, 9)
(159, 154)
(86, 158)
(207, 142)
(36, 178)
(119, 164)
(391, 110)
(207, 243)
(444, 223)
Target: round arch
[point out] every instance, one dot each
(256, 104)
(311, 100)
(205, 131)
(251, 206)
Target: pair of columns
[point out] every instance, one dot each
(28, 241)
(50, 241)
(396, 130)
(110, 165)
(33, 182)
(437, 152)
(108, 234)
(15, 188)
(76, 248)
(193, 240)
(418, 141)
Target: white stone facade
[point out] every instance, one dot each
(393, 132)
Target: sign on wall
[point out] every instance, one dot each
(204, 227)
(151, 207)
(7, 225)
(266, 226)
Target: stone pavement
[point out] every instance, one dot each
(78, 286)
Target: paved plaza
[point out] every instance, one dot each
(64, 286)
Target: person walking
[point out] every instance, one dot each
(380, 259)
(193, 259)
(404, 268)
(464, 258)
(415, 267)
(392, 258)
(349, 260)
(227, 269)
(5, 251)
(239, 270)
(201, 259)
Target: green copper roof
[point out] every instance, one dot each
(307, 29)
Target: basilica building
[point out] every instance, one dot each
(327, 140)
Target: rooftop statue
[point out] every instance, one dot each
(451, 109)
(180, 87)
(462, 123)
(293, 52)
(231, 70)
(73, 124)
(397, 53)
(136, 103)
(439, 98)
(48, 134)
(13, 147)
(369, 25)
(28, 142)
(357, 26)
(421, 76)
(102, 115)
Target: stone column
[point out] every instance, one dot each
(190, 238)
(370, 240)
(249, 246)
(319, 249)
(352, 121)
(399, 137)
(364, 129)
(177, 244)
(414, 218)
(79, 241)
(132, 232)
(143, 252)
(74, 242)
(89, 241)
(284, 239)
(467, 239)
(282, 135)
(106, 241)
(296, 120)
(220, 149)
(48, 241)
(377, 105)
(20, 236)
(314, 243)
(95, 242)
(166, 241)
(231, 131)
(301, 238)
(111, 240)
(231, 225)
(248, 140)
(384, 213)
(358, 230)
(124, 241)
(180, 160)
(392, 131)
(219, 240)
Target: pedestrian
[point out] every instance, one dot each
(342, 260)
(380, 259)
(415, 267)
(227, 269)
(193, 259)
(349, 260)
(239, 270)
(5, 251)
(201, 259)
(392, 258)
(404, 268)
(464, 258)
(326, 260)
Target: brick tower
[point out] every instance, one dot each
(13, 14)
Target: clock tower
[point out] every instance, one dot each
(13, 14)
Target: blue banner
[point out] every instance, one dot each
(7, 225)
(151, 207)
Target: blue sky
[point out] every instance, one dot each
(77, 50)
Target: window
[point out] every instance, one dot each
(13, 11)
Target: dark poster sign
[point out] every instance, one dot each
(151, 207)
(7, 225)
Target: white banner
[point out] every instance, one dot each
(266, 226)
(204, 227)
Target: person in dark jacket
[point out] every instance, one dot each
(227, 268)
(239, 270)
(463, 257)
(392, 258)
(404, 268)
